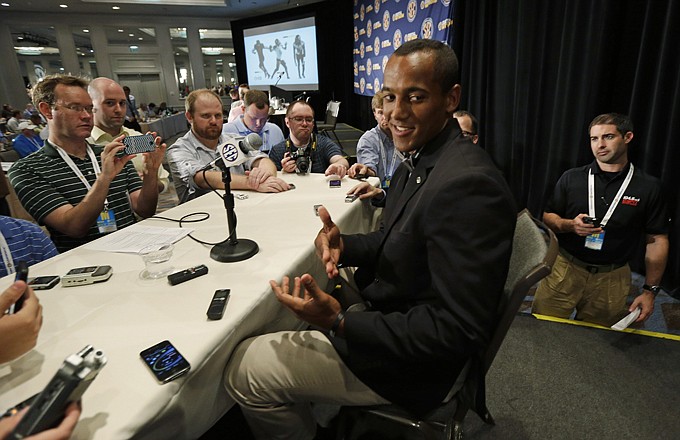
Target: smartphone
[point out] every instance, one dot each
(86, 275)
(68, 385)
(335, 183)
(139, 144)
(21, 274)
(218, 303)
(44, 282)
(590, 220)
(165, 362)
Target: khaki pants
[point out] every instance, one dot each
(599, 298)
(275, 378)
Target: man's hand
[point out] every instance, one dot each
(360, 169)
(329, 244)
(336, 168)
(273, 185)
(111, 163)
(311, 304)
(61, 432)
(287, 163)
(582, 228)
(256, 177)
(19, 332)
(646, 303)
(367, 191)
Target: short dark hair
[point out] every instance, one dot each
(294, 104)
(257, 97)
(445, 60)
(44, 90)
(622, 122)
(462, 113)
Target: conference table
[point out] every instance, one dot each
(127, 314)
(166, 127)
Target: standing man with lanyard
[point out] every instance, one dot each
(81, 191)
(599, 212)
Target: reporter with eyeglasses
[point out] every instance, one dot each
(81, 191)
(324, 155)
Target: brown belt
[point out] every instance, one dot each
(592, 268)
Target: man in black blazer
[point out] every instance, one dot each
(431, 277)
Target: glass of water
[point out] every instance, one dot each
(156, 260)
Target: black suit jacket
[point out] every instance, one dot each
(433, 274)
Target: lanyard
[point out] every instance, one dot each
(615, 202)
(6, 255)
(389, 172)
(34, 142)
(95, 165)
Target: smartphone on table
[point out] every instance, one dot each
(164, 361)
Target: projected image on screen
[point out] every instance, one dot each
(282, 54)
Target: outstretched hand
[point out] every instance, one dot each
(328, 243)
(307, 300)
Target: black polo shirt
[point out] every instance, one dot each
(641, 210)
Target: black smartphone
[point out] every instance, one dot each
(590, 220)
(44, 282)
(165, 362)
(139, 144)
(218, 303)
(335, 183)
(21, 274)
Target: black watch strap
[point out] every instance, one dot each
(654, 289)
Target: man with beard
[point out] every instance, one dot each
(80, 191)
(325, 155)
(110, 106)
(600, 212)
(189, 155)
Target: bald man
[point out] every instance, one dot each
(110, 105)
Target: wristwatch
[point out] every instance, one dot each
(654, 289)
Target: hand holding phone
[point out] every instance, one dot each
(21, 275)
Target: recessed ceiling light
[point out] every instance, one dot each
(63, 6)
(131, 35)
(115, 8)
(121, 30)
(4, 4)
(86, 30)
(140, 38)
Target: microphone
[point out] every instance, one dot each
(235, 151)
(277, 81)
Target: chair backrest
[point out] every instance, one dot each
(534, 250)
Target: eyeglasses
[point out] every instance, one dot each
(299, 119)
(77, 108)
(467, 134)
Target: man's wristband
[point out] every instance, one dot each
(654, 289)
(336, 323)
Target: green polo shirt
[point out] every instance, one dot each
(44, 182)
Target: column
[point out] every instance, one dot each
(101, 51)
(168, 67)
(195, 56)
(67, 49)
(12, 87)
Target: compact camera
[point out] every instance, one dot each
(68, 385)
(301, 156)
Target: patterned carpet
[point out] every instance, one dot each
(664, 320)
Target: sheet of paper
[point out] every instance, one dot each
(132, 239)
(627, 320)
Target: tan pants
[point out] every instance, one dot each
(275, 377)
(599, 298)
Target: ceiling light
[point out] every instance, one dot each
(140, 38)
(63, 6)
(86, 30)
(115, 8)
(131, 35)
(4, 4)
(121, 30)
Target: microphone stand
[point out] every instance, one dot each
(232, 249)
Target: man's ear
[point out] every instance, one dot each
(453, 99)
(190, 120)
(628, 137)
(45, 109)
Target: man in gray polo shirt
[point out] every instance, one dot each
(191, 153)
(80, 191)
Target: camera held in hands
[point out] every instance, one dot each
(301, 156)
(68, 385)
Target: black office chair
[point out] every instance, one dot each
(328, 125)
(534, 250)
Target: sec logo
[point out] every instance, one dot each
(230, 152)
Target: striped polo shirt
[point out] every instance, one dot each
(26, 242)
(44, 182)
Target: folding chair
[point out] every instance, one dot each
(328, 125)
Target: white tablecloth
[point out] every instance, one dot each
(127, 314)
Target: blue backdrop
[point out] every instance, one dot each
(381, 26)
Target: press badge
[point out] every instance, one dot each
(595, 241)
(106, 222)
